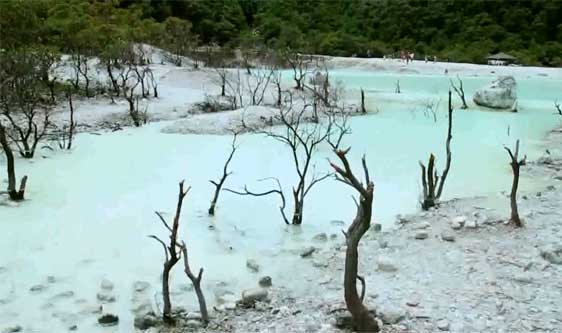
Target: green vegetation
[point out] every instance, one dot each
(464, 31)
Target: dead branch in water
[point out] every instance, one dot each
(431, 181)
(460, 92)
(278, 191)
(225, 173)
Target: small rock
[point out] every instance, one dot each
(447, 236)
(146, 321)
(193, 324)
(307, 252)
(550, 188)
(73, 328)
(443, 325)
(265, 281)
(13, 329)
(385, 264)
(108, 320)
(377, 227)
(253, 265)
(383, 244)
(392, 315)
(64, 294)
(460, 219)
(321, 237)
(423, 225)
(421, 235)
(552, 254)
(105, 297)
(51, 279)
(140, 286)
(456, 225)
(471, 224)
(250, 296)
(37, 288)
(106, 285)
(320, 262)
(337, 222)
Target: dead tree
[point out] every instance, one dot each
(128, 82)
(221, 80)
(278, 191)
(171, 253)
(66, 142)
(277, 82)
(558, 108)
(299, 64)
(152, 82)
(14, 194)
(363, 109)
(256, 85)
(460, 92)
(22, 100)
(363, 321)
(431, 181)
(81, 69)
(303, 139)
(225, 173)
(196, 281)
(516, 164)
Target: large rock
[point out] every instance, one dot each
(500, 94)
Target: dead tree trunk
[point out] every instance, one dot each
(12, 192)
(196, 281)
(397, 87)
(225, 174)
(363, 321)
(72, 125)
(363, 109)
(171, 254)
(460, 92)
(431, 181)
(515, 166)
(558, 108)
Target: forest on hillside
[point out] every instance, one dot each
(461, 31)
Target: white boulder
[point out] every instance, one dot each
(500, 94)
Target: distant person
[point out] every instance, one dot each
(426, 59)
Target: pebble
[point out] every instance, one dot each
(421, 235)
(471, 224)
(108, 320)
(253, 265)
(13, 329)
(385, 264)
(105, 297)
(447, 236)
(307, 252)
(265, 281)
(106, 285)
(37, 288)
(140, 286)
(391, 314)
(443, 325)
(321, 237)
(423, 225)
